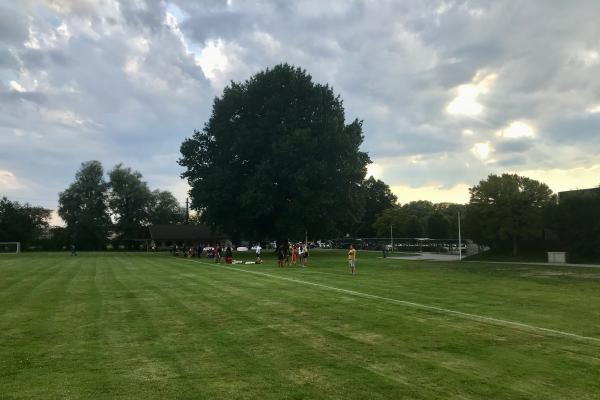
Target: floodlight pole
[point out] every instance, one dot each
(392, 237)
(459, 240)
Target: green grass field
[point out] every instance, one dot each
(151, 326)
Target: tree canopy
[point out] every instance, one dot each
(164, 208)
(420, 218)
(21, 222)
(378, 197)
(507, 207)
(83, 207)
(577, 219)
(276, 158)
(92, 207)
(129, 200)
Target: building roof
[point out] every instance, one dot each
(577, 193)
(182, 232)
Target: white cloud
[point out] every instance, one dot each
(466, 102)
(595, 109)
(482, 150)
(8, 181)
(213, 59)
(16, 86)
(55, 219)
(375, 170)
(65, 117)
(267, 41)
(435, 193)
(566, 179)
(589, 58)
(517, 130)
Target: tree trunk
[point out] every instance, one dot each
(514, 245)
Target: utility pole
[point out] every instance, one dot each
(187, 210)
(459, 240)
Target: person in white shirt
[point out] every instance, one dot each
(258, 250)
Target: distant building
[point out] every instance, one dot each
(165, 235)
(577, 193)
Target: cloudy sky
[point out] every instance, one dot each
(449, 91)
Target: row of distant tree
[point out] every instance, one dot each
(508, 213)
(96, 211)
(92, 207)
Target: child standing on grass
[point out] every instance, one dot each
(305, 256)
(352, 259)
(294, 254)
(218, 253)
(228, 255)
(258, 249)
(280, 255)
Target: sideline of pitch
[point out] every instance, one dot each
(475, 317)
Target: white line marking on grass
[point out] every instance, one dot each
(480, 318)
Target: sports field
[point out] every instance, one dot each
(152, 326)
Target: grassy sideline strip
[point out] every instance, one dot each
(480, 318)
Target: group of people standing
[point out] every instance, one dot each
(292, 254)
(214, 253)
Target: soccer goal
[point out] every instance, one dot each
(10, 247)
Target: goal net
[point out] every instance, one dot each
(10, 247)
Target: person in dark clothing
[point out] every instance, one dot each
(228, 255)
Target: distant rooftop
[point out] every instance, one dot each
(577, 192)
(182, 232)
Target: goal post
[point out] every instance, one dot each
(10, 247)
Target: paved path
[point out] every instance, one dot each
(451, 257)
(537, 263)
(426, 256)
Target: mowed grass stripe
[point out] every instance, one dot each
(481, 290)
(151, 352)
(263, 355)
(230, 335)
(517, 352)
(33, 333)
(318, 342)
(230, 355)
(337, 344)
(18, 283)
(480, 318)
(555, 303)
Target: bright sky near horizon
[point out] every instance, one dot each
(449, 91)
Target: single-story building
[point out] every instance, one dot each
(165, 235)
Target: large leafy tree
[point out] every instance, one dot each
(83, 207)
(130, 199)
(450, 212)
(165, 209)
(21, 222)
(276, 158)
(378, 197)
(508, 208)
(577, 217)
(438, 226)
